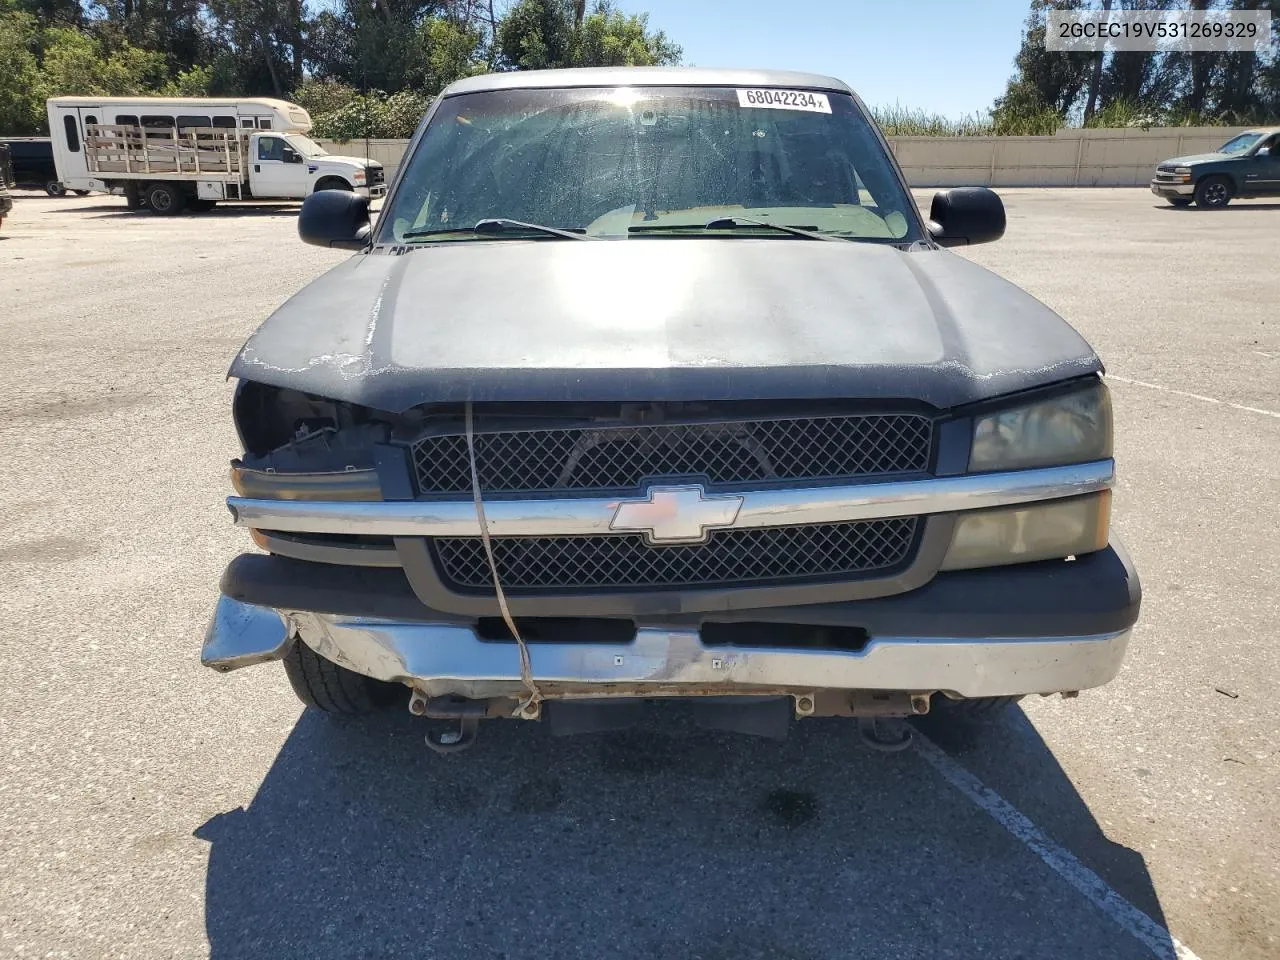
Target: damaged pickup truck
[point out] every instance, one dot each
(591, 421)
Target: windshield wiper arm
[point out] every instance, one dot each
(729, 223)
(733, 223)
(500, 225)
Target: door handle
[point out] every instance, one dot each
(257, 168)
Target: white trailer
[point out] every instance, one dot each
(176, 153)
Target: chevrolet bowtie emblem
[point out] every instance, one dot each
(676, 514)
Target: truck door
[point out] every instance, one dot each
(89, 117)
(1267, 168)
(275, 168)
(67, 133)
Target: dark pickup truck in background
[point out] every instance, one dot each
(32, 159)
(6, 177)
(1247, 165)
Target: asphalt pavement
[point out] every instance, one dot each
(152, 808)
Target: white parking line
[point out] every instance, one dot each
(1195, 396)
(1155, 937)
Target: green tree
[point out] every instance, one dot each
(21, 111)
(537, 35)
(179, 29)
(323, 96)
(610, 38)
(77, 63)
(1045, 84)
(1138, 78)
(410, 49)
(452, 49)
(1095, 77)
(261, 45)
(1135, 88)
(48, 11)
(541, 34)
(395, 45)
(189, 83)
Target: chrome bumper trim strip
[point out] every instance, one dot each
(587, 516)
(449, 659)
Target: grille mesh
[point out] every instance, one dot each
(610, 458)
(838, 551)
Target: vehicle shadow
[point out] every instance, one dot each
(664, 841)
(1235, 207)
(222, 210)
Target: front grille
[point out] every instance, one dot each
(622, 457)
(754, 557)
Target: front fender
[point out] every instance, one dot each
(1215, 170)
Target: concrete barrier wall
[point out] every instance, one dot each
(386, 152)
(1070, 158)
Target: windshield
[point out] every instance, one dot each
(628, 162)
(1240, 144)
(306, 146)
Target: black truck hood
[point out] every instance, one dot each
(661, 319)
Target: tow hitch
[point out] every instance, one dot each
(885, 734)
(468, 714)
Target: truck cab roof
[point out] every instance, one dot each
(646, 76)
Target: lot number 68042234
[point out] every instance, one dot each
(772, 99)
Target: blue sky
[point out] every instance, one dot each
(942, 56)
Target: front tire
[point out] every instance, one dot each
(165, 199)
(54, 189)
(322, 684)
(1213, 193)
(332, 183)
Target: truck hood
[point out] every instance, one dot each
(661, 319)
(1197, 158)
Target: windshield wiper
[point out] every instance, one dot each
(500, 225)
(736, 223)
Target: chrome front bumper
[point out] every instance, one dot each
(450, 659)
(1163, 189)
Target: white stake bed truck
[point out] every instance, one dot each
(174, 154)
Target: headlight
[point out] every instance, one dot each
(1069, 428)
(1183, 170)
(335, 485)
(324, 464)
(1038, 531)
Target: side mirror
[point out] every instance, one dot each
(1265, 151)
(335, 218)
(291, 156)
(966, 215)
